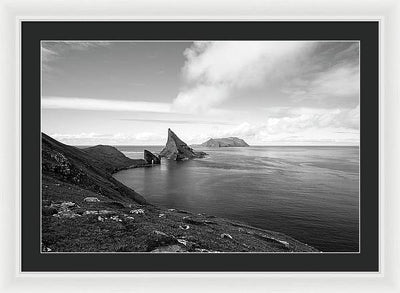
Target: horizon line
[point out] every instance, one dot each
(258, 145)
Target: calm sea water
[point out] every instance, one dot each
(309, 193)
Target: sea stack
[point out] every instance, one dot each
(151, 158)
(177, 150)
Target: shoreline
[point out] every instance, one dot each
(119, 220)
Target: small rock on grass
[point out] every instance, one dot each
(45, 248)
(160, 233)
(67, 204)
(284, 243)
(91, 199)
(204, 250)
(169, 248)
(226, 235)
(159, 239)
(102, 212)
(137, 212)
(66, 214)
(182, 241)
(116, 219)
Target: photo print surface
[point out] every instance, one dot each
(200, 147)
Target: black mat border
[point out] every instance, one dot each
(35, 31)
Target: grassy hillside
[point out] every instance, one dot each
(88, 168)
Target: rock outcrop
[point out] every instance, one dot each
(177, 150)
(224, 142)
(151, 158)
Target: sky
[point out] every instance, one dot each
(265, 92)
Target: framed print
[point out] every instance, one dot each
(105, 81)
(200, 146)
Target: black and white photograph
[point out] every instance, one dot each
(200, 146)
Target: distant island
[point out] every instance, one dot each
(224, 142)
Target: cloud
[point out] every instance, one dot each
(200, 98)
(62, 46)
(197, 122)
(213, 70)
(300, 118)
(304, 126)
(239, 64)
(80, 45)
(339, 82)
(147, 136)
(104, 138)
(90, 135)
(48, 54)
(75, 103)
(89, 104)
(51, 50)
(300, 125)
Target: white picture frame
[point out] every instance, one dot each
(385, 11)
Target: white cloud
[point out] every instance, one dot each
(48, 54)
(93, 138)
(89, 135)
(61, 46)
(51, 50)
(280, 126)
(301, 125)
(148, 136)
(239, 64)
(79, 45)
(299, 118)
(75, 103)
(200, 98)
(213, 70)
(341, 81)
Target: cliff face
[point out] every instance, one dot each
(89, 168)
(224, 142)
(177, 150)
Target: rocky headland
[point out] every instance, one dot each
(84, 209)
(151, 158)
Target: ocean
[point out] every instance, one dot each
(309, 193)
